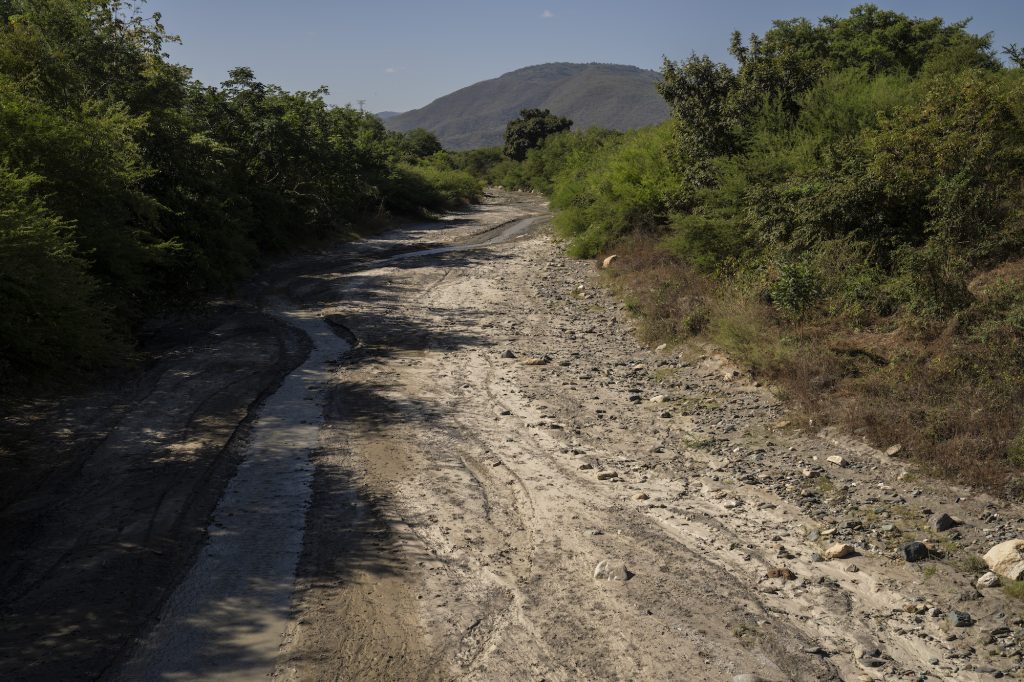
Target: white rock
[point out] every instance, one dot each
(1007, 559)
(837, 460)
(894, 450)
(607, 262)
(607, 569)
(990, 579)
(658, 399)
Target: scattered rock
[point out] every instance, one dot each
(943, 522)
(641, 496)
(508, 354)
(607, 262)
(607, 569)
(914, 551)
(732, 504)
(537, 361)
(837, 460)
(658, 399)
(894, 450)
(666, 415)
(959, 619)
(839, 551)
(605, 475)
(1007, 559)
(585, 466)
(781, 572)
(990, 579)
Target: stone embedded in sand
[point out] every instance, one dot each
(837, 460)
(782, 572)
(641, 496)
(838, 551)
(658, 399)
(894, 450)
(914, 551)
(990, 579)
(1007, 559)
(959, 619)
(943, 522)
(537, 361)
(606, 475)
(607, 262)
(607, 569)
(508, 354)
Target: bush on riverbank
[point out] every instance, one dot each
(843, 211)
(128, 186)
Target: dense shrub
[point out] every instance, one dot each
(130, 186)
(844, 212)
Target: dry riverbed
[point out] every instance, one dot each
(498, 482)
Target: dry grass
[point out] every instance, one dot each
(952, 398)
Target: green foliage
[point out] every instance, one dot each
(52, 317)
(418, 143)
(612, 186)
(858, 177)
(136, 187)
(530, 129)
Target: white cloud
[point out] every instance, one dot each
(547, 14)
(391, 69)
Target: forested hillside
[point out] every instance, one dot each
(843, 211)
(611, 96)
(127, 186)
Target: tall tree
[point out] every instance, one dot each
(530, 129)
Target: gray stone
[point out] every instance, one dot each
(960, 619)
(943, 522)
(990, 579)
(914, 551)
(608, 569)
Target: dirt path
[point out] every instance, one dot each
(495, 432)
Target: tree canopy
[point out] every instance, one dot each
(530, 129)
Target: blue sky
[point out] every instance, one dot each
(399, 55)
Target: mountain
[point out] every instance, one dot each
(385, 115)
(592, 95)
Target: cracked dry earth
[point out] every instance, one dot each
(496, 431)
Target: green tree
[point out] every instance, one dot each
(530, 129)
(418, 143)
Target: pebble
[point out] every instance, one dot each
(837, 460)
(605, 475)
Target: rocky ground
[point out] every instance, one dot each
(507, 485)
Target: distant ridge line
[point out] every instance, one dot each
(616, 96)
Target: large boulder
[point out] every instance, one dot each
(1007, 559)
